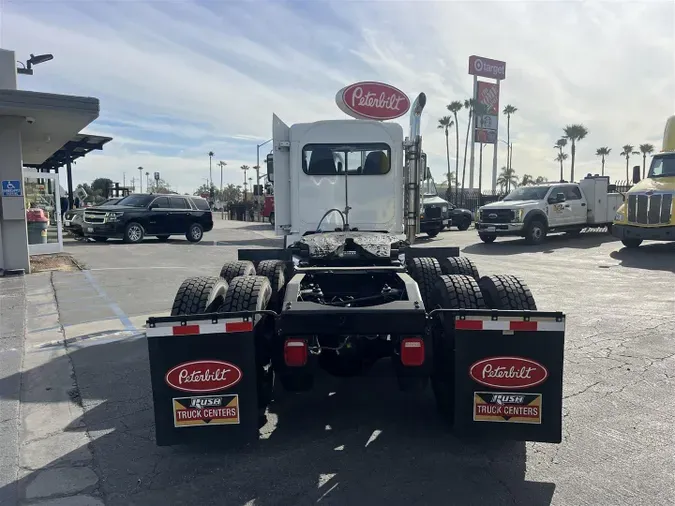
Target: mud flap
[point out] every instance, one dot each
(203, 375)
(509, 374)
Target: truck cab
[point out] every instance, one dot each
(648, 212)
(434, 217)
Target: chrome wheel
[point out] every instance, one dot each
(135, 233)
(196, 233)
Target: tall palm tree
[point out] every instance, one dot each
(603, 152)
(507, 178)
(508, 110)
(469, 104)
(645, 149)
(454, 107)
(541, 179)
(561, 158)
(527, 180)
(446, 124)
(560, 145)
(575, 133)
(627, 151)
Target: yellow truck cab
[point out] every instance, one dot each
(648, 212)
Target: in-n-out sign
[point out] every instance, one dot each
(485, 67)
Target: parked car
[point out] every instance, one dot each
(140, 215)
(72, 219)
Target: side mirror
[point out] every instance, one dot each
(636, 174)
(270, 167)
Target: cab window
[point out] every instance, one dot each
(572, 193)
(662, 166)
(355, 159)
(161, 202)
(179, 203)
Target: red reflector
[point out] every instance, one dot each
(516, 325)
(185, 330)
(412, 351)
(468, 324)
(295, 352)
(239, 326)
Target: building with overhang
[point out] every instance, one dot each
(41, 131)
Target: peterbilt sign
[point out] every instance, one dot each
(372, 100)
(485, 67)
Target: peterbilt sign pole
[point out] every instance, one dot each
(494, 69)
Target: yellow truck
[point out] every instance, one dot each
(648, 212)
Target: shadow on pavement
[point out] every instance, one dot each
(324, 447)
(272, 242)
(508, 246)
(654, 257)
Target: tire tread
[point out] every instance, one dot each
(193, 295)
(233, 269)
(506, 291)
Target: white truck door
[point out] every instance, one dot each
(577, 212)
(282, 175)
(557, 212)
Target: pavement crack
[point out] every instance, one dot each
(586, 389)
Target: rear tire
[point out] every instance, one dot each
(231, 270)
(459, 265)
(434, 233)
(506, 292)
(487, 239)
(631, 243)
(252, 293)
(453, 291)
(464, 224)
(199, 295)
(195, 233)
(425, 271)
(275, 272)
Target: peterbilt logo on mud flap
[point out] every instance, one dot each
(508, 372)
(203, 376)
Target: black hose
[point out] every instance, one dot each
(344, 224)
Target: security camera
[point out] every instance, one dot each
(30, 120)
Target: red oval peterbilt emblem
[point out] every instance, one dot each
(372, 100)
(508, 372)
(203, 376)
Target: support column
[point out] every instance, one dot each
(69, 174)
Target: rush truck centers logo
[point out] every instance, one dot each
(508, 372)
(372, 100)
(203, 376)
(507, 407)
(211, 410)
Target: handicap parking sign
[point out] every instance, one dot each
(11, 188)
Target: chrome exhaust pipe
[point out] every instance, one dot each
(412, 175)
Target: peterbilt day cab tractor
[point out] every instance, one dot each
(350, 288)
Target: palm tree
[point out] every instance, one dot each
(454, 108)
(627, 151)
(446, 124)
(561, 158)
(645, 149)
(603, 152)
(469, 104)
(560, 145)
(541, 179)
(527, 180)
(507, 178)
(508, 110)
(575, 133)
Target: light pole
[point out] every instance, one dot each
(147, 182)
(211, 153)
(222, 202)
(140, 179)
(509, 153)
(257, 161)
(33, 60)
(245, 168)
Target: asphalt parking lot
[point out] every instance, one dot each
(361, 441)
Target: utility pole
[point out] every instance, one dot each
(222, 201)
(124, 179)
(147, 181)
(133, 184)
(211, 154)
(140, 179)
(245, 168)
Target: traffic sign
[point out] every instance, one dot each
(11, 188)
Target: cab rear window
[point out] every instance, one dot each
(367, 159)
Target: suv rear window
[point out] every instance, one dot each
(201, 204)
(179, 203)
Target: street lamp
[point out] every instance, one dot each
(147, 181)
(140, 179)
(257, 163)
(509, 153)
(33, 60)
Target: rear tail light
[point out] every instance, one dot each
(412, 351)
(295, 352)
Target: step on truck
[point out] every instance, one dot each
(350, 288)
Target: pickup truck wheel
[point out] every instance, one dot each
(464, 224)
(435, 232)
(631, 243)
(453, 291)
(199, 295)
(231, 270)
(506, 292)
(134, 233)
(195, 233)
(459, 265)
(274, 271)
(425, 271)
(252, 293)
(536, 232)
(487, 239)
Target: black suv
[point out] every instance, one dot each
(138, 215)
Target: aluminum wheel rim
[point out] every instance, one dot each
(134, 233)
(536, 233)
(196, 232)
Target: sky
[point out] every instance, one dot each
(177, 79)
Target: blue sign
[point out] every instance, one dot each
(11, 189)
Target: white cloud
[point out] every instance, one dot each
(177, 80)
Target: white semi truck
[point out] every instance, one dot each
(348, 289)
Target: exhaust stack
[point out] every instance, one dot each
(413, 173)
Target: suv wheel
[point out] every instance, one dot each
(464, 224)
(195, 233)
(133, 233)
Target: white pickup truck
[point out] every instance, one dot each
(534, 211)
